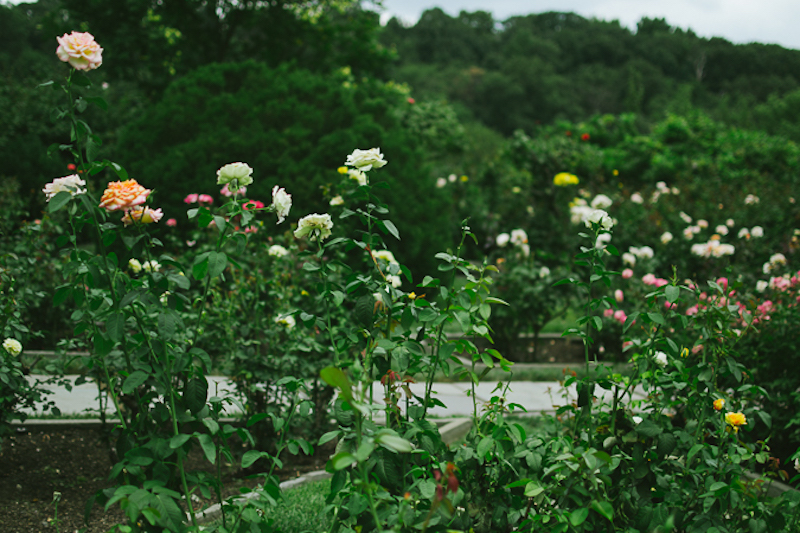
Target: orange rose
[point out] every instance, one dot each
(735, 420)
(719, 404)
(123, 195)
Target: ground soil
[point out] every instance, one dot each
(37, 461)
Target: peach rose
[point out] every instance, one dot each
(79, 50)
(123, 195)
(142, 214)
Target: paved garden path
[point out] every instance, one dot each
(534, 396)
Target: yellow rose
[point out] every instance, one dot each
(735, 420)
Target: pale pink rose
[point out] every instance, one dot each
(620, 316)
(670, 306)
(191, 199)
(250, 229)
(627, 273)
(697, 348)
(649, 279)
(205, 199)
(142, 214)
(618, 295)
(608, 312)
(79, 50)
(171, 222)
(660, 282)
(692, 310)
(226, 192)
(626, 345)
(190, 243)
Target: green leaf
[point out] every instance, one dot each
(133, 381)
(195, 394)
(166, 325)
(99, 102)
(342, 460)
(217, 261)
(656, 317)
(578, 516)
(533, 489)
(392, 229)
(672, 293)
(179, 440)
(648, 428)
(394, 443)
(209, 449)
(604, 508)
(115, 325)
(335, 377)
(58, 201)
(485, 445)
(251, 457)
(666, 444)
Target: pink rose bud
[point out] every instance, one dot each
(608, 312)
(171, 222)
(723, 282)
(649, 279)
(627, 273)
(618, 296)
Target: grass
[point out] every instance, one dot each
(300, 511)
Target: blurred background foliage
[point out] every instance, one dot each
(475, 116)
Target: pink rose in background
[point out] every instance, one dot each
(171, 222)
(697, 348)
(608, 312)
(79, 50)
(670, 306)
(649, 279)
(191, 199)
(627, 273)
(227, 192)
(723, 282)
(692, 310)
(253, 204)
(620, 316)
(660, 282)
(618, 295)
(250, 229)
(205, 199)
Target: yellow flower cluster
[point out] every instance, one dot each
(562, 179)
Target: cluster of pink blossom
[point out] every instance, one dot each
(202, 199)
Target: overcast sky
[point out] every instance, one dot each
(739, 21)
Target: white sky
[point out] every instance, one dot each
(739, 21)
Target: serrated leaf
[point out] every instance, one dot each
(209, 449)
(217, 261)
(195, 394)
(648, 428)
(133, 381)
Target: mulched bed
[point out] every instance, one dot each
(76, 461)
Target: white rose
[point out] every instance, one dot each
(135, 265)
(71, 184)
(757, 231)
(287, 321)
(276, 250)
(761, 285)
(721, 229)
(281, 202)
(629, 259)
(601, 201)
(502, 239)
(365, 159)
(599, 217)
(637, 198)
(314, 225)
(544, 272)
(666, 237)
(235, 175)
(337, 200)
(151, 266)
(386, 255)
(12, 346)
(358, 176)
(395, 281)
(519, 237)
(660, 358)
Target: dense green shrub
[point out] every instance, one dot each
(292, 126)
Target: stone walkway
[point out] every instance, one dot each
(534, 396)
